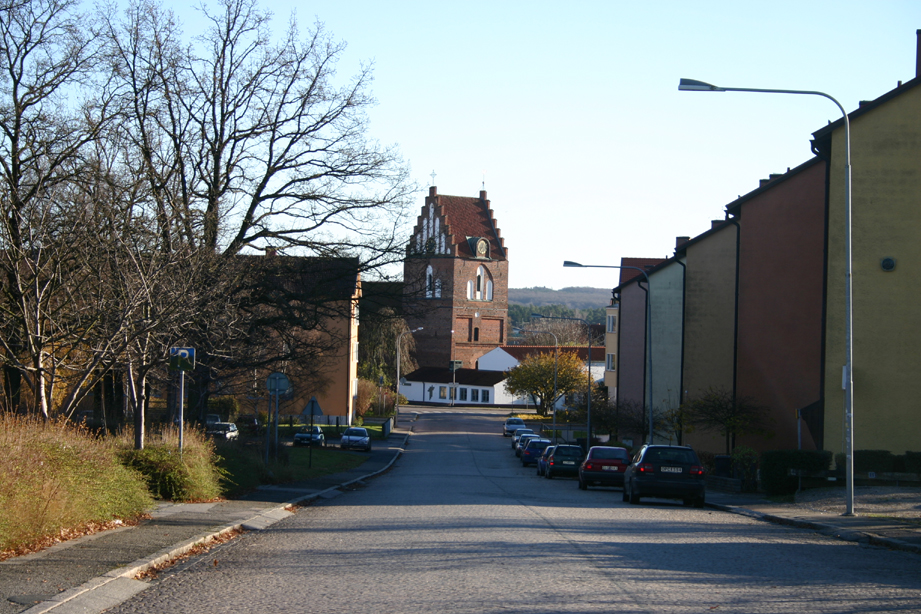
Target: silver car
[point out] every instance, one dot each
(355, 438)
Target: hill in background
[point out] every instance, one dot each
(574, 297)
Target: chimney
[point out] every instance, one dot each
(918, 55)
(763, 182)
(483, 195)
(715, 223)
(433, 191)
(679, 241)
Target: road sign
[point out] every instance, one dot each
(278, 383)
(182, 359)
(313, 408)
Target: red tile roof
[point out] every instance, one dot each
(520, 352)
(467, 217)
(642, 263)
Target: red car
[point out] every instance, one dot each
(604, 466)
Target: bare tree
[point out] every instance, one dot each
(52, 105)
(719, 410)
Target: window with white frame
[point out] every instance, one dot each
(612, 324)
(442, 392)
(474, 395)
(429, 282)
(486, 396)
(609, 362)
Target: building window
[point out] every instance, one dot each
(488, 290)
(470, 290)
(474, 395)
(486, 396)
(463, 394)
(442, 392)
(609, 362)
(437, 288)
(429, 282)
(453, 393)
(476, 334)
(612, 324)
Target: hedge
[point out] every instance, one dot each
(776, 466)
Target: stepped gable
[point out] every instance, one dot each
(451, 221)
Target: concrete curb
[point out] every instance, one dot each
(119, 585)
(862, 537)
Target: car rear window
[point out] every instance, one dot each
(665, 455)
(568, 452)
(537, 445)
(609, 454)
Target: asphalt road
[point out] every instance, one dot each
(459, 526)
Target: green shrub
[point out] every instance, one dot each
(227, 407)
(195, 476)
(913, 462)
(708, 460)
(776, 466)
(880, 461)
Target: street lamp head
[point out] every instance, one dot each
(415, 330)
(692, 85)
(570, 263)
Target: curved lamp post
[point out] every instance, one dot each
(691, 85)
(396, 411)
(571, 264)
(588, 401)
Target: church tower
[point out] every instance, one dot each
(456, 279)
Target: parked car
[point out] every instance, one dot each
(248, 423)
(223, 430)
(523, 441)
(212, 419)
(565, 460)
(310, 435)
(511, 425)
(355, 438)
(667, 472)
(517, 435)
(603, 465)
(533, 450)
(542, 460)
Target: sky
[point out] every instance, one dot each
(570, 114)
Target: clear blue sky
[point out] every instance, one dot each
(572, 110)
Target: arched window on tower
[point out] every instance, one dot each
(429, 282)
(483, 286)
(470, 290)
(437, 288)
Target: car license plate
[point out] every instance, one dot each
(609, 468)
(569, 462)
(671, 469)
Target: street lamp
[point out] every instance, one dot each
(571, 264)
(396, 410)
(690, 85)
(588, 362)
(556, 362)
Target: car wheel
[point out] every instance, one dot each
(549, 474)
(625, 498)
(582, 485)
(699, 501)
(634, 497)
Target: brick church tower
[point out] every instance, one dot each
(456, 278)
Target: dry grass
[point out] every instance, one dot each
(56, 478)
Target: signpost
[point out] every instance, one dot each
(314, 408)
(182, 359)
(277, 384)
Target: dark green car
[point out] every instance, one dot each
(565, 460)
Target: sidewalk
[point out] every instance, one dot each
(96, 572)
(876, 529)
